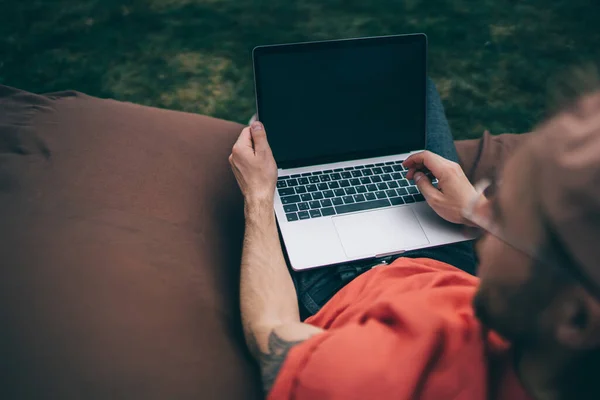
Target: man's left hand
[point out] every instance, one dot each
(253, 165)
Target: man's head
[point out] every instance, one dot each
(549, 202)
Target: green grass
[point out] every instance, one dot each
(492, 59)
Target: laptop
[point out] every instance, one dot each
(341, 116)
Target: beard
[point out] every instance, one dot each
(510, 312)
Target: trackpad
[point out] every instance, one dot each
(379, 232)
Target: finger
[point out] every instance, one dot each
(259, 136)
(245, 139)
(425, 187)
(426, 159)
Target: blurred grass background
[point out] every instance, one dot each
(491, 59)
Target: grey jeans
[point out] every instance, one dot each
(316, 287)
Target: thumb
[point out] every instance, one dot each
(425, 187)
(259, 136)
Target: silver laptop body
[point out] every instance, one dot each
(329, 109)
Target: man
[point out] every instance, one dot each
(528, 327)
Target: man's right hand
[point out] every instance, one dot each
(455, 190)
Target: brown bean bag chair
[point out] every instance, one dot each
(120, 238)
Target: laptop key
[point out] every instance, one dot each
(311, 188)
(362, 206)
(396, 176)
(356, 173)
(396, 201)
(315, 213)
(325, 178)
(367, 172)
(375, 179)
(380, 195)
(387, 169)
(412, 190)
(296, 176)
(334, 185)
(386, 177)
(370, 196)
(290, 208)
(377, 170)
(345, 183)
(317, 195)
(336, 176)
(397, 168)
(361, 189)
(328, 194)
(369, 166)
(315, 204)
(303, 215)
(381, 164)
(328, 211)
(283, 178)
(382, 186)
(354, 182)
(346, 175)
(292, 182)
(306, 174)
(303, 181)
(306, 197)
(292, 217)
(326, 203)
(402, 191)
(359, 167)
(286, 191)
(327, 171)
(350, 190)
(419, 197)
(314, 179)
(391, 193)
(300, 189)
(322, 186)
(389, 162)
(365, 181)
(408, 199)
(337, 201)
(281, 184)
(303, 206)
(372, 188)
(317, 173)
(339, 192)
(359, 197)
(392, 185)
(404, 173)
(290, 199)
(403, 183)
(348, 199)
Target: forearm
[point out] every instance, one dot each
(267, 293)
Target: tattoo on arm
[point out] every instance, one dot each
(271, 361)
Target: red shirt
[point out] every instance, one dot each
(403, 331)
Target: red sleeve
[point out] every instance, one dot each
(387, 354)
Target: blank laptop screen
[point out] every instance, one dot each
(342, 100)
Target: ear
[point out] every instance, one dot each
(578, 325)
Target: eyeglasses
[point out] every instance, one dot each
(481, 213)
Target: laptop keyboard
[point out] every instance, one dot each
(345, 190)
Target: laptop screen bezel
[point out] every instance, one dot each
(259, 51)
